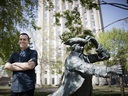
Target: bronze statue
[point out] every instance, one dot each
(79, 68)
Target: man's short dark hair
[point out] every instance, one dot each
(25, 34)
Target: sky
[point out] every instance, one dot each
(111, 14)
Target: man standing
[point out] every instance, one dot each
(23, 66)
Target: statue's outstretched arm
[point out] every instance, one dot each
(75, 64)
(98, 70)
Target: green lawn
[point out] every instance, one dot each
(95, 93)
(98, 91)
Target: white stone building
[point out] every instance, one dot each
(91, 19)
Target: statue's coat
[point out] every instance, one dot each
(79, 71)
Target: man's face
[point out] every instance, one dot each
(23, 41)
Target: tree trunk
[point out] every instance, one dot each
(41, 74)
(110, 79)
(62, 77)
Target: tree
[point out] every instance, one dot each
(115, 41)
(15, 13)
(15, 16)
(8, 45)
(47, 52)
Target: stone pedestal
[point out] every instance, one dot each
(95, 80)
(102, 81)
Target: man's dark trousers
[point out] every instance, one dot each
(28, 93)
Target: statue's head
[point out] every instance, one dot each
(77, 47)
(76, 44)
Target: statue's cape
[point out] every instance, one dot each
(73, 80)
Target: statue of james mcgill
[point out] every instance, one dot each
(79, 68)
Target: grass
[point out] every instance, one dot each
(107, 88)
(98, 91)
(35, 94)
(5, 87)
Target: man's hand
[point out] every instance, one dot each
(12, 67)
(7, 66)
(116, 69)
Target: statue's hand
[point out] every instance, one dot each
(91, 39)
(116, 69)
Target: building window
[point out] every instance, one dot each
(59, 41)
(45, 27)
(45, 64)
(58, 7)
(45, 80)
(65, 26)
(77, 0)
(53, 81)
(77, 5)
(58, 27)
(92, 16)
(53, 65)
(52, 41)
(53, 33)
(59, 55)
(84, 11)
(65, 19)
(52, 27)
(45, 72)
(91, 10)
(45, 15)
(46, 41)
(64, 7)
(94, 30)
(52, 20)
(59, 48)
(45, 20)
(45, 48)
(45, 9)
(52, 9)
(53, 55)
(53, 72)
(86, 24)
(52, 14)
(58, 2)
(85, 17)
(58, 33)
(93, 23)
(70, 6)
